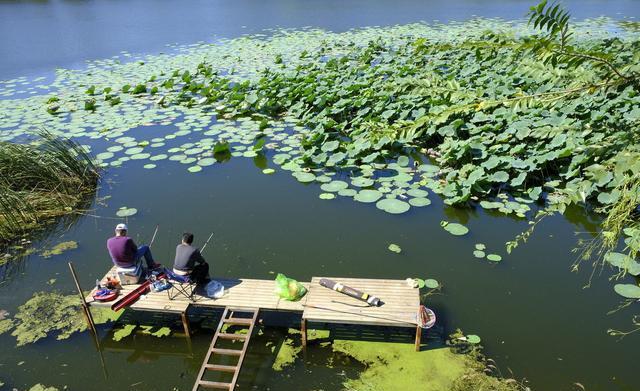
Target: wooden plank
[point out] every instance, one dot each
(400, 303)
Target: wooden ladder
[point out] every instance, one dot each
(228, 318)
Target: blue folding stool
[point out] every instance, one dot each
(180, 285)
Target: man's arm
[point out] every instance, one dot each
(132, 246)
(198, 257)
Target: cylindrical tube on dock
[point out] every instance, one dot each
(356, 294)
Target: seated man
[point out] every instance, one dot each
(125, 253)
(189, 261)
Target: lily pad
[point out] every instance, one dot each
(362, 182)
(268, 171)
(104, 155)
(327, 196)
(419, 202)
(305, 177)
(478, 254)
(347, 192)
(207, 161)
(454, 228)
(494, 257)
(431, 283)
(194, 169)
(367, 196)
(395, 248)
(393, 206)
(473, 339)
(126, 212)
(334, 186)
(628, 291)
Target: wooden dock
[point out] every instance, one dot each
(400, 303)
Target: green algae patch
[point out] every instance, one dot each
(397, 366)
(292, 346)
(123, 332)
(59, 249)
(287, 354)
(52, 313)
(102, 315)
(48, 313)
(40, 387)
(158, 333)
(6, 325)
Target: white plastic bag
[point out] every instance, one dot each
(214, 289)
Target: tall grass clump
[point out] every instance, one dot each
(43, 180)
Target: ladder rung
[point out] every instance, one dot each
(227, 352)
(221, 368)
(247, 310)
(241, 321)
(214, 384)
(232, 336)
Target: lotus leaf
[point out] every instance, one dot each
(419, 202)
(454, 228)
(334, 186)
(431, 283)
(628, 291)
(362, 182)
(478, 254)
(305, 177)
(367, 196)
(327, 196)
(395, 248)
(393, 206)
(473, 339)
(494, 257)
(126, 212)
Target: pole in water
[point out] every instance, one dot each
(356, 294)
(85, 307)
(207, 242)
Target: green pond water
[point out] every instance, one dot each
(532, 312)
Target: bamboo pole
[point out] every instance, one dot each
(85, 306)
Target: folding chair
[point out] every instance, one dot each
(180, 285)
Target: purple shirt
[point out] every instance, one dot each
(122, 250)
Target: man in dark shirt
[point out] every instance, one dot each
(189, 261)
(124, 251)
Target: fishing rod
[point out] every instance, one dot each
(205, 244)
(154, 235)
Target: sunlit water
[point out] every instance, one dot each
(530, 310)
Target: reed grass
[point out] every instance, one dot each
(48, 178)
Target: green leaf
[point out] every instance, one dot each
(395, 248)
(494, 257)
(628, 291)
(454, 228)
(393, 206)
(431, 283)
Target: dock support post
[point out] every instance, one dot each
(418, 337)
(185, 324)
(303, 331)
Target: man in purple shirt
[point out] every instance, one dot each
(124, 251)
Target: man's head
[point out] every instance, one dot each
(121, 229)
(187, 238)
